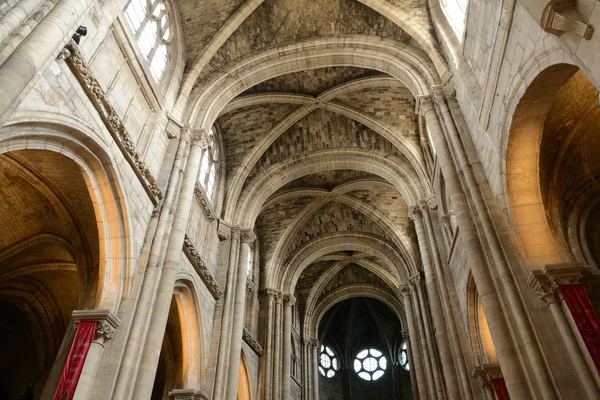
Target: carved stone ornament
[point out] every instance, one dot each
(543, 286)
(247, 236)
(405, 290)
(112, 121)
(188, 394)
(204, 203)
(269, 294)
(438, 95)
(199, 138)
(249, 285)
(545, 282)
(406, 335)
(223, 230)
(485, 374)
(483, 382)
(201, 268)
(310, 342)
(414, 212)
(251, 342)
(107, 323)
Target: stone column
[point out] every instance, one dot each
(545, 286)
(422, 384)
(107, 325)
(429, 349)
(288, 303)
(164, 293)
(411, 364)
(454, 338)
(507, 285)
(277, 347)
(313, 348)
(247, 237)
(507, 351)
(233, 235)
(431, 284)
(268, 296)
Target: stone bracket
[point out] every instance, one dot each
(194, 257)
(112, 121)
(560, 17)
(250, 341)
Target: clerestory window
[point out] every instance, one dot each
(456, 11)
(404, 356)
(208, 165)
(149, 21)
(370, 364)
(328, 362)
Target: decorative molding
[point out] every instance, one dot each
(406, 335)
(211, 284)
(438, 94)
(112, 121)
(545, 282)
(107, 323)
(485, 374)
(269, 293)
(405, 291)
(204, 203)
(424, 104)
(561, 17)
(414, 212)
(250, 341)
(543, 286)
(199, 137)
(188, 394)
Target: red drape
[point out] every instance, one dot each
(585, 318)
(75, 360)
(500, 389)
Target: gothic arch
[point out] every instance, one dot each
(245, 380)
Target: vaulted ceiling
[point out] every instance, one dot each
(332, 152)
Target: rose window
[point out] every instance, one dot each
(370, 364)
(328, 362)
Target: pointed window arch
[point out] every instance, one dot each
(456, 12)
(149, 22)
(209, 165)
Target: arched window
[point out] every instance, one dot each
(250, 262)
(456, 12)
(370, 364)
(328, 362)
(149, 21)
(404, 356)
(208, 165)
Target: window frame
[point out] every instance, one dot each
(334, 362)
(209, 167)
(369, 354)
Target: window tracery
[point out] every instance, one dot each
(370, 364)
(149, 21)
(208, 165)
(328, 362)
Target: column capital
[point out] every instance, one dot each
(235, 233)
(269, 293)
(414, 213)
(247, 236)
(188, 394)
(485, 374)
(438, 94)
(425, 104)
(405, 291)
(415, 280)
(289, 300)
(543, 286)
(406, 335)
(199, 137)
(107, 323)
(311, 341)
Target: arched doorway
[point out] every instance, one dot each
(244, 382)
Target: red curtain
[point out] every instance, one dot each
(500, 388)
(585, 318)
(75, 360)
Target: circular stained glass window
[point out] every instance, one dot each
(328, 362)
(404, 357)
(370, 364)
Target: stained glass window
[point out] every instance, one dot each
(370, 364)
(328, 362)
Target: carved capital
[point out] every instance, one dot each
(405, 291)
(235, 233)
(199, 138)
(251, 342)
(414, 213)
(438, 95)
(311, 342)
(485, 374)
(446, 220)
(425, 105)
(415, 281)
(406, 335)
(107, 323)
(543, 286)
(484, 382)
(247, 236)
(289, 300)
(269, 294)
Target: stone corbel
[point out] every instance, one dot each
(174, 127)
(223, 230)
(545, 282)
(107, 323)
(543, 286)
(188, 394)
(560, 17)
